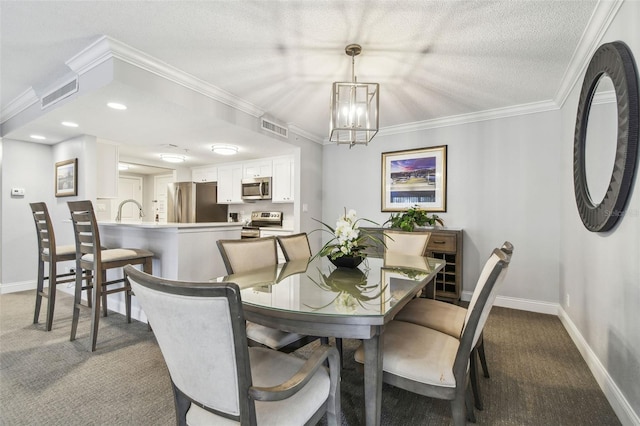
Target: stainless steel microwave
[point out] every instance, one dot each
(256, 188)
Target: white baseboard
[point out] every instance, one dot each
(618, 402)
(520, 304)
(17, 286)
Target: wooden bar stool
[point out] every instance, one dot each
(50, 253)
(90, 256)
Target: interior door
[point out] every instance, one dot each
(160, 198)
(130, 187)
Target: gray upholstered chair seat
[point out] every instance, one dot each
(62, 251)
(113, 255)
(441, 316)
(270, 368)
(417, 353)
(271, 337)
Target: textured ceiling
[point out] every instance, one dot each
(433, 59)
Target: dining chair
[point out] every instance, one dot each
(52, 254)
(242, 255)
(449, 319)
(411, 243)
(434, 364)
(216, 377)
(90, 255)
(296, 247)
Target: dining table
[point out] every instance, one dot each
(316, 298)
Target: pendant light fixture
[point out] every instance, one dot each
(354, 107)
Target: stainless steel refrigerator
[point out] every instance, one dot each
(189, 202)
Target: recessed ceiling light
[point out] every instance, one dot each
(116, 105)
(69, 124)
(173, 158)
(224, 149)
(37, 137)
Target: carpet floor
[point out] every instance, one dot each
(538, 377)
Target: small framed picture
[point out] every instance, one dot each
(66, 178)
(415, 177)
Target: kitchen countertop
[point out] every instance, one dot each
(166, 225)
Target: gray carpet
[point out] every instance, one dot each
(537, 375)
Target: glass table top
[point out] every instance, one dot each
(318, 287)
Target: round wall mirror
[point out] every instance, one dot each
(603, 175)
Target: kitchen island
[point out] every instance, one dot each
(182, 251)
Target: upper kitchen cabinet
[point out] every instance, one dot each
(107, 170)
(283, 180)
(229, 184)
(204, 174)
(259, 168)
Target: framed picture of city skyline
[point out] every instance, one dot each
(415, 177)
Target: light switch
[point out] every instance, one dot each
(17, 192)
(305, 207)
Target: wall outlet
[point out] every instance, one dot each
(567, 300)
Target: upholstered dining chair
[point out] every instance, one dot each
(411, 243)
(254, 253)
(449, 319)
(434, 364)
(216, 378)
(52, 254)
(91, 256)
(296, 247)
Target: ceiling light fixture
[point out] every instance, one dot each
(224, 149)
(354, 107)
(173, 158)
(69, 124)
(37, 137)
(116, 105)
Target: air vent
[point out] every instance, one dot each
(60, 93)
(272, 127)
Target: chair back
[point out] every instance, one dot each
(44, 230)
(412, 243)
(295, 246)
(479, 308)
(200, 329)
(85, 227)
(251, 253)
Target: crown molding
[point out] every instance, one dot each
(106, 47)
(19, 104)
(301, 132)
(456, 120)
(598, 24)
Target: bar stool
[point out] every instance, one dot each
(52, 254)
(90, 256)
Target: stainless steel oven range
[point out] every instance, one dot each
(260, 220)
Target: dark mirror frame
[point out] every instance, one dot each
(614, 60)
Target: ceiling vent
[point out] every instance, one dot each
(60, 93)
(272, 127)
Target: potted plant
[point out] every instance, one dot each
(348, 242)
(414, 216)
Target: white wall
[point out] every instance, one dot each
(501, 185)
(31, 166)
(601, 271)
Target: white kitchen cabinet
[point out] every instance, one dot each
(261, 168)
(229, 184)
(204, 174)
(275, 233)
(107, 170)
(283, 180)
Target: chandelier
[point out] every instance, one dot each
(354, 107)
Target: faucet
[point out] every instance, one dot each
(119, 216)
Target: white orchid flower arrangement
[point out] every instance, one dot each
(348, 239)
